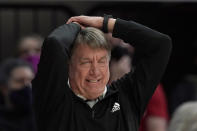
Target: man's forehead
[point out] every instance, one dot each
(90, 57)
(84, 51)
(83, 48)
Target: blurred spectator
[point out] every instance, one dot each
(121, 57)
(184, 118)
(120, 63)
(156, 114)
(118, 42)
(186, 89)
(29, 49)
(15, 96)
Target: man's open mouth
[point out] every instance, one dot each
(93, 81)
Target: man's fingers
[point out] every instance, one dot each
(86, 21)
(79, 19)
(82, 27)
(70, 20)
(79, 24)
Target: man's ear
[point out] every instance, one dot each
(70, 63)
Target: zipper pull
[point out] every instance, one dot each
(93, 114)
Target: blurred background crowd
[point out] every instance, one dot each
(24, 25)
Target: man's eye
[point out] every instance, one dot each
(85, 62)
(102, 61)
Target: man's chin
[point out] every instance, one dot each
(94, 95)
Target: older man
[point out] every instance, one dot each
(70, 88)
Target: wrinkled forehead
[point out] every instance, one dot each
(86, 51)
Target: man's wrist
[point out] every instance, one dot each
(111, 23)
(105, 23)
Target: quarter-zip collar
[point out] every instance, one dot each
(91, 103)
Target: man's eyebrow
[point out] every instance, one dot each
(84, 58)
(104, 57)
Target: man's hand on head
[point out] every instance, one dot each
(82, 27)
(87, 21)
(92, 21)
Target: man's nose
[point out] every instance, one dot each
(94, 69)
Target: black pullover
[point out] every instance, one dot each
(59, 109)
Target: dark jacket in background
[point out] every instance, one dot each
(20, 117)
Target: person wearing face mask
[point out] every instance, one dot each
(15, 96)
(29, 49)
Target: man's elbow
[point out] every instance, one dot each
(165, 42)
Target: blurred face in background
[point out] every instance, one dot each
(19, 77)
(29, 47)
(119, 68)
